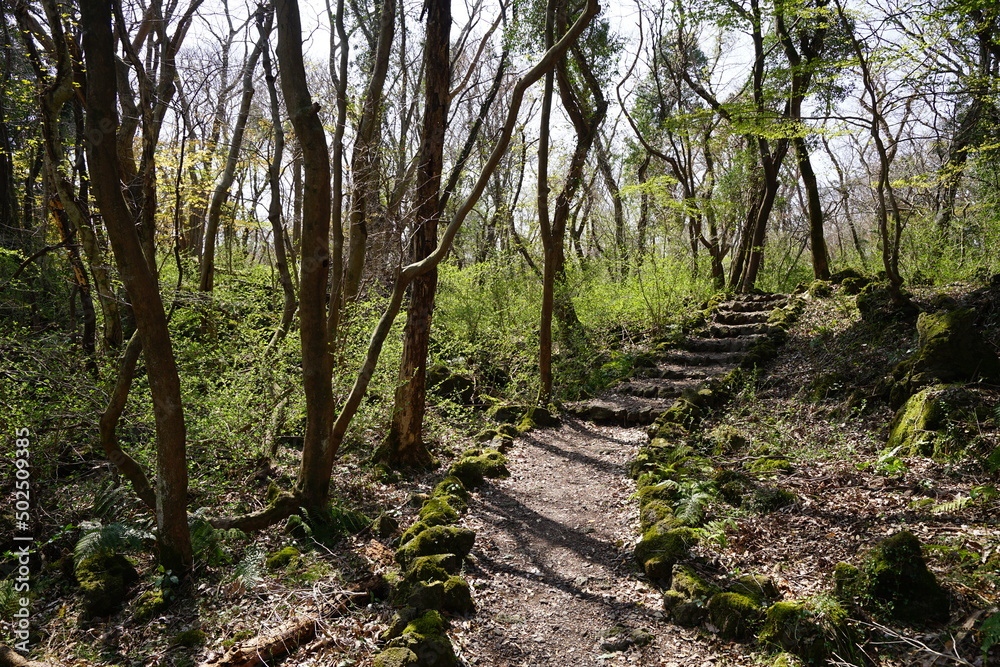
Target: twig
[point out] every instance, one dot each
(915, 643)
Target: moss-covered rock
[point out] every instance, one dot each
(655, 511)
(425, 637)
(283, 558)
(787, 659)
(445, 382)
(734, 616)
(540, 417)
(757, 587)
(451, 486)
(385, 525)
(854, 286)
(473, 470)
(877, 307)
(662, 546)
(437, 511)
(838, 277)
(683, 412)
(189, 638)
(913, 428)
(734, 487)
(507, 413)
(620, 638)
(104, 581)
(847, 581)
(149, 605)
(452, 595)
(814, 630)
(436, 540)
(396, 657)
(950, 349)
(727, 440)
(685, 602)
(895, 576)
(820, 289)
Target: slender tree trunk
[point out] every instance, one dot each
(174, 538)
(817, 240)
(404, 446)
(548, 264)
(314, 479)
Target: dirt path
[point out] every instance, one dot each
(552, 569)
(553, 566)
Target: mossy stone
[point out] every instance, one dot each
(820, 289)
(653, 512)
(451, 486)
(507, 413)
(473, 470)
(425, 637)
(787, 659)
(662, 546)
(759, 588)
(452, 595)
(437, 511)
(437, 567)
(541, 417)
(685, 601)
(486, 435)
(437, 540)
(838, 277)
(814, 630)
(846, 580)
(411, 532)
(734, 616)
(895, 574)
(396, 657)
(104, 581)
(915, 424)
(727, 440)
(149, 605)
(283, 558)
(385, 525)
(949, 349)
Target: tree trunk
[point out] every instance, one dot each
(404, 446)
(817, 240)
(174, 538)
(314, 480)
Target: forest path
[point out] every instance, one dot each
(552, 566)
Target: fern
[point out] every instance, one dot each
(9, 598)
(989, 633)
(250, 569)
(207, 542)
(952, 506)
(691, 507)
(114, 538)
(108, 500)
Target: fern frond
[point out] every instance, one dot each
(110, 539)
(250, 569)
(952, 506)
(108, 500)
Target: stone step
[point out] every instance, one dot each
(749, 306)
(737, 330)
(678, 372)
(691, 358)
(741, 344)
(624, 411)
(735, 317)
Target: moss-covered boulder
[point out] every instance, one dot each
(452, 595)
(451, 486)
(913, 428)
(685, 602)
(385, 525)
(895, 577)
(838, 277)
(445, 382)
(149, 605)
(282, 558)
(437, 540)
(438, 511)
(538, 417)
(950, 349)
(507, 413)
(425, 638)
(104, 580)
(757, 587)
(727, 439)
(770, 465)
(734, 487)
(396, 657)
(474, 469)
(819, 289)
(814, 630)
(734, 616)
(662, 546)
(655, 511)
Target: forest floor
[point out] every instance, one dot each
(552, 572)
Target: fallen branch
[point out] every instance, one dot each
(263, 648)
(11, 658)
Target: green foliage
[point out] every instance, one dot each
(326, 525)
(989, 632)
(115, 538)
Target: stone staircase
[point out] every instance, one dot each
(733, 329)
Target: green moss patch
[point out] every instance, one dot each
(104, 581)
(474, 469)
(282, 558)
(662, 546)
(734, 616)
(913, 428)
(425, 638)
(895, 576)
(437, 540)
(814, 630)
